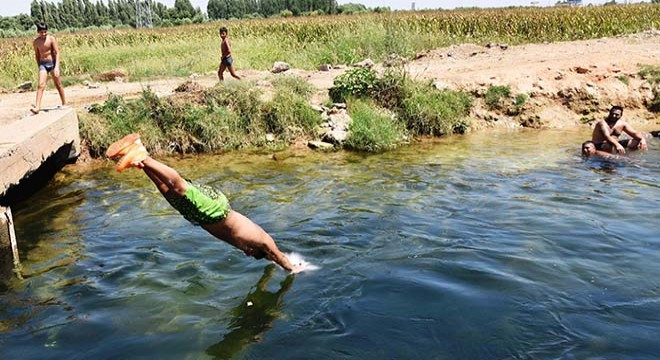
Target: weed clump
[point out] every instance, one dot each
(357, 82)
(652, 75)
(224, 117)
(495, 96)
(373, 128)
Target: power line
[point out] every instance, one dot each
(143, 14)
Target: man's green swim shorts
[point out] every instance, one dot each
(201, 204)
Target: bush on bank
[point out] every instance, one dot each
(423, 109)
(239, 115)
(228, 116)
(373, 129)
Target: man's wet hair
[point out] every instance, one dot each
(587, 143)
(223, 29)
(616, 107)
(42, 26)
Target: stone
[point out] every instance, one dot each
(320, 145)
(341, 121)
(366, 63)
(394, 60)
(317, 108)
(325, 67)
(26, 86)
(270, 137)
(440, 85)
(420, 55)
(279, 66)
(580, 70)
(336, 136)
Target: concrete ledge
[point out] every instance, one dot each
(28, 143)
(6, 252)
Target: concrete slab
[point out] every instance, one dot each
(28, 143)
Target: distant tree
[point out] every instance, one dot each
(351, 8)
(216, 9)
(183, 9)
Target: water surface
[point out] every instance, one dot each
(486, 246)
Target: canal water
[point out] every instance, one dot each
(504, 245)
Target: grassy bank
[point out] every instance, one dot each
(385, 109)
(311, 41)
(226, 117)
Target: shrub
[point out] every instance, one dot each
(428, 111)
(393, 88)
(495, 95)
(519, 101)
(357, 82)
(372, 128)
(289, 115)
(652, 75)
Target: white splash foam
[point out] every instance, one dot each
(300, 263)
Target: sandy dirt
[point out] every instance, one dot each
(561, 79)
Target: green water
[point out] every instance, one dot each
(486, 246)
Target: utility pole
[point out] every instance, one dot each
(142, 14)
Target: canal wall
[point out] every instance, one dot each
(32, 150)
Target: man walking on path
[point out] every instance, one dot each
(47, 54)
(226, 62)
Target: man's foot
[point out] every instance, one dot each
(34, 111)
(121, 147)
(135, 155)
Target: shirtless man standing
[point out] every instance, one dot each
(226, 62)
(47, 54)
(606, 134)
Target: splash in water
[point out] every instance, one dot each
(298, 261)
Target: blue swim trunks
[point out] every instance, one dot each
(46, 66)
(228, 61)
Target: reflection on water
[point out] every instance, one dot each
(252, 317)
(500, 245)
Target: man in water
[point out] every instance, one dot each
(226, 62)
(589, 149)
(606, 134)
(47, 54)
(200, 204)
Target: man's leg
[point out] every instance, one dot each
(164, 177)
(233, 73)
(220, 71)
(43, 76)
(60, 89)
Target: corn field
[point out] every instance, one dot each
(307, 42)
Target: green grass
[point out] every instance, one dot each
(651, 73)
(495, 96)
(228, 116)
(624, 79)
(373, 129)
(310, 41)
(428, 111)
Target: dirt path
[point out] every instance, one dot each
(543, 71)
